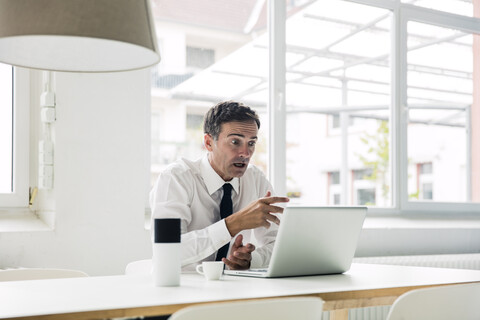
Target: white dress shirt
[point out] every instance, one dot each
(192, 191)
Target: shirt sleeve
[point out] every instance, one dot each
(265, 237)
(171, 198)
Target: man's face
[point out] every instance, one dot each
(230, 154)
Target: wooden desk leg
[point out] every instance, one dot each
(341, 314)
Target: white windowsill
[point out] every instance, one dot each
(24, 220)
(422, 221)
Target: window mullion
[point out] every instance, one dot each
(402, 109)
(276, 105)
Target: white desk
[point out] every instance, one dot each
(124, 296)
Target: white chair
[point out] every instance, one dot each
(439, 303)
(139, 267)
(38, 273)
(305, 308)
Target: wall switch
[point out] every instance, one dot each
(45, 176)
(45, 146)
(45, 152)
(47, 99)
(45, 182)
(48, 115)
(45, 158)
(45, 170)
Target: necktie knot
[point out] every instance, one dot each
(227, 189)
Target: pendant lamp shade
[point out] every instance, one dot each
(78, 35)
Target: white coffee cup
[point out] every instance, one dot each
(212, 270)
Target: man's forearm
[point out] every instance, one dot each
(261, 256)
(199, 244)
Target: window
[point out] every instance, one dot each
(6, 129)
(335, 122)
(333, 188)
(440, 94)
(365, 197)
(14, 129)
(338, 61)
(200, 57)
(217, 60)
(375, 101)
(336, 199)
(335, 177)
(364, 186)
(427, 192)
(422, 189)
(362, 174)
(426, 168)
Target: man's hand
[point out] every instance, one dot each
(256, 214)
(240, 255)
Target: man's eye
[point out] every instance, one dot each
(252, 143)
(234, 141)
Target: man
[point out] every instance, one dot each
(193, 191)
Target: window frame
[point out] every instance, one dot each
(413, 13)
(402, 13)
(19, 198)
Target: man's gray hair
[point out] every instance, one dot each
(227, 111)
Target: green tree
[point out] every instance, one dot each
(378, 160)
(378, 155)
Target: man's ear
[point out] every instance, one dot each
(208, 142)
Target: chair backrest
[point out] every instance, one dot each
(38, 273)
(439, 303)
(305, 308)
(139, 267)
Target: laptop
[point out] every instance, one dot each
(312, 241)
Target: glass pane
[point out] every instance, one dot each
(462, 7)
(211, 51)
(6, 137)
(440, 92)
(338, 102)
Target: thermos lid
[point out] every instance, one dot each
(167, 230)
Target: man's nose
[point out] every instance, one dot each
(245, 152)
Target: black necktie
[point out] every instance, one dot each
(226, 209)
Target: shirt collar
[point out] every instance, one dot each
(212, 180)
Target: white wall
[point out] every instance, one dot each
(100, 178)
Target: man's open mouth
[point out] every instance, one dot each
(240, 164)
